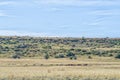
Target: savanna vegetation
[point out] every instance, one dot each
(43, 47)
(43, 58)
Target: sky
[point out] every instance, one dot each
(60, 18)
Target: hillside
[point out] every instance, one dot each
(43, 47)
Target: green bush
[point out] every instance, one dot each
(69, 54)
(118, 56)
(46, 56)
(110, 55)
(61, 55)
(15, 56)
(73, 57)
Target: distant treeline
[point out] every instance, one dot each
(55, 47)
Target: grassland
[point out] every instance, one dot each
(60, 69)
(38, 58)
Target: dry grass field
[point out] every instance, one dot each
(60, 69)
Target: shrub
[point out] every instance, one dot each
(110, 55)
(46, 56)
(70, 54)
(61, 55)
(84, 50)
(73, 57)
(118, 56)
(89, 57)
(15, 56)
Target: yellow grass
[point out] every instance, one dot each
(33, 68)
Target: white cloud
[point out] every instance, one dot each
(20, 33)
(94, 23)
(105, 12)
(78, 2)
(2, 14)
(62, 2)
(64, 27)
(6, 3)
(55, 9)
(32, 34)
(24, 33)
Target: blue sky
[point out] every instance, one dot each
(61, 18)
